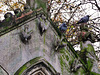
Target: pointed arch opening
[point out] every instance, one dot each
(36, 66)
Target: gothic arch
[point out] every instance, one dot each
(36, 66)
(3, 71)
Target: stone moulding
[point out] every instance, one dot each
(2, 70)
(36, 66)
(7, 26)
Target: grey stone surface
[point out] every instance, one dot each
(14, 53)
(2, 71)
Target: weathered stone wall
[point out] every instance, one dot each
(14, 53)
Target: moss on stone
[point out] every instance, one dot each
(36, 22)
(23, 68)
(42, 4)
(80, 71)
(31, 63)
(93, 73)
(44, 50)
(20, 46)
(44, 37)
(64, 65)
(61, 64)
(89, 64)
(67, 58)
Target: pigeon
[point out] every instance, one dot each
(63, 27)
(85, 19)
